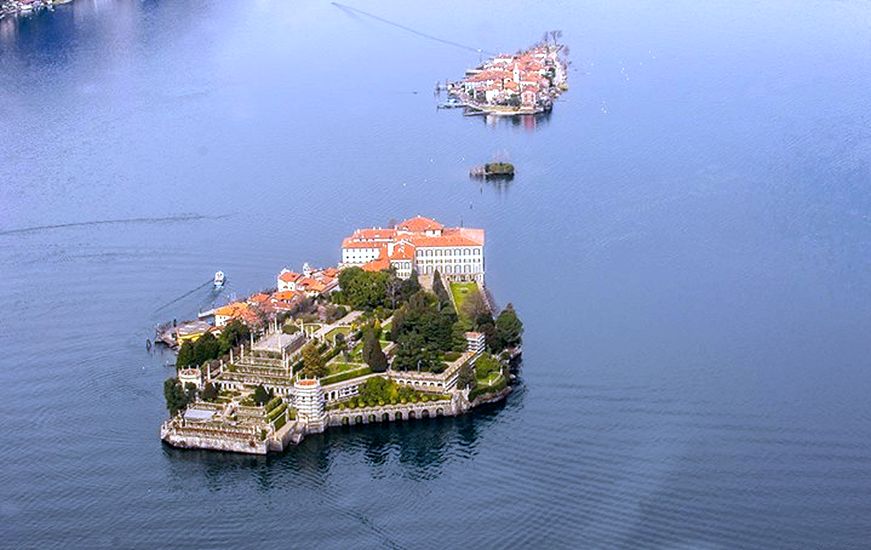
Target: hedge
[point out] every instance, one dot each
(272, 415)
(279, 422)
(347, 375)
(272, 403)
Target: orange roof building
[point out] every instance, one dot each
(418, 244)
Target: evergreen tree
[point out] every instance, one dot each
(261, 396)
(210, 392)
(234, 333)
(176, 398)
(186, 355)
(410, 286)
(466, 378)
(509, 328)
(372, 353)
(439, 289)
(206, 348)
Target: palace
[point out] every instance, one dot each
(420, 244)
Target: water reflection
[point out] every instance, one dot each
(528, 123)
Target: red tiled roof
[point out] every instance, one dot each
(403, 251)
(349, 242)
(376, 265)
(419, 224)
(289, 276)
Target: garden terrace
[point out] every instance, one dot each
(349, 374)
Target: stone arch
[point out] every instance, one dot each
(411, 415)
(358, 419)
(398, 415)
(440, 412)
(371, 418)
(385, 417)
(424, 413)
(345, 421)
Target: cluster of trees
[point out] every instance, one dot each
(370, 290)
(178, 397)
(506, 331)
(425, 328)
(207, 347)
(377, 390)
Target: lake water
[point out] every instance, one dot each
(688, 241)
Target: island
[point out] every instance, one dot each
(527, 82)
(403, 328)
(493, 170)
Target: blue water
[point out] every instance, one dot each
(688, 241)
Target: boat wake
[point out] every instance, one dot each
(122, 221)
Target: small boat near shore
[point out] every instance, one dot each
(219, 279)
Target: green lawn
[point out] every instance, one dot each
(331, 336)
(490, 380)
(460, 292)
(336, 367)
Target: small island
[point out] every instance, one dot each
(493, 170)
(527, 82)
(402, 329)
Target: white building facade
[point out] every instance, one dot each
(420, 244)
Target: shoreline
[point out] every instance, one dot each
(293, 434)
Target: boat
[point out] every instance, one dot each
(219, 279)
(451, 103)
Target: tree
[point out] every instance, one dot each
(176, 398)
(206, 348)
(261, 396)
(491, 337)
(509, 328)
(362, 289)
(372, 353)
(186, 355)
(475, 308)
(412, 353)
(466, 378)
(410, 286)
(234, 333)
(210, 392)
(421, 316)
(439, 289)
(313, 365)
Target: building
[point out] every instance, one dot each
(420, 244)
(475, 342)
(311, 282)
(308, 398)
